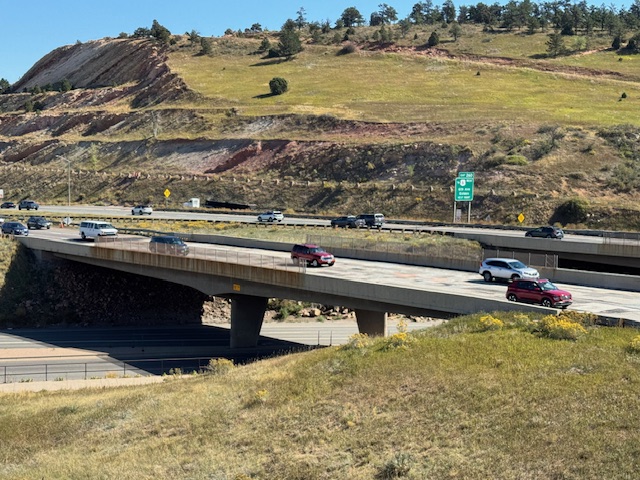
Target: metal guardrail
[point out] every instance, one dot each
(533, 259)
(14, 372)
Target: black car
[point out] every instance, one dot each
(14, 228)
(28, 205)
(545, 232)
(168, 245)
(38, 223)
(8, 205)
(349, 221)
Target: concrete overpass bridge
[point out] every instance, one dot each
(250, 279)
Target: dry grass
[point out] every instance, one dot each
(414, 87)
(500, 404)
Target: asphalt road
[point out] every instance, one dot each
(55, 354)
(81, 212)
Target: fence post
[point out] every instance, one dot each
(46, 372)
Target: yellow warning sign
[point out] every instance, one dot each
(167, 192)
(521, 218)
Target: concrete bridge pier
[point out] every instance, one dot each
(247, 314)
(372, 323)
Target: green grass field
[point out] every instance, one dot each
(413, 87)
(452, 402)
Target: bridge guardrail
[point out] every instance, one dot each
(214, 254)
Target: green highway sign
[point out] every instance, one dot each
(466, 175)
(464, 189)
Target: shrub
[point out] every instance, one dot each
(634, 346)
(559, 328)
(357, 341)
(434, 39)
(398, 466)
(219, 366)
(516, 160)
(575, 210)
(489, 322)
(278, 86)
(349, 47)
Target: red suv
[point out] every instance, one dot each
(540, 291)
(312, 254)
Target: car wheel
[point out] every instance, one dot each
(512, 298)
(314, 263)
(48, 227)
(487, 276)
(549, 236)
(515, 277)
(546, 303)
(84, 237)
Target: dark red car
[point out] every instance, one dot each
(540, 291)
(312, 254)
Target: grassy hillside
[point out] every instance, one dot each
(384, 128)
(462, 401)
(407, 83)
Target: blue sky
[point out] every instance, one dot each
(28, 31)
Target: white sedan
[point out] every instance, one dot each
(142, 210)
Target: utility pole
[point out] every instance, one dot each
(68, 178)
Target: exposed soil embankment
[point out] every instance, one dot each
(101, 72)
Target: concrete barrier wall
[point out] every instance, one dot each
(592, 279)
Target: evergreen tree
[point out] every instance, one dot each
(160, 33)
(205, 46)
(265, 45)
(455, 31)
(434, 39)
(351, 17)
(278, 86)
(301, 19)
(555, 44)
(289, 44)
(4, 85)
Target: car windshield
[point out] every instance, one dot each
(548, 286)
(517, 264)
(317, 250)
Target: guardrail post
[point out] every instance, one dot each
(46, 372)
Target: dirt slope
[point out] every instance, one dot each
(132, 128)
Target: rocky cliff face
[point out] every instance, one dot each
(106, 71)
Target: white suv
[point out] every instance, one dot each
(506, 269)
(271, 216)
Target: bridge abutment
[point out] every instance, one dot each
(372, 323)
(247, 314)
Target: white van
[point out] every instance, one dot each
(96, 228)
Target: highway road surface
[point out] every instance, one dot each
(601, 301)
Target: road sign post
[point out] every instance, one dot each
(464, 190)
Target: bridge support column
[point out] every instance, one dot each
(372, 323)
(247, 314)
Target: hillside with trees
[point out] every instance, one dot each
(370, 111)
